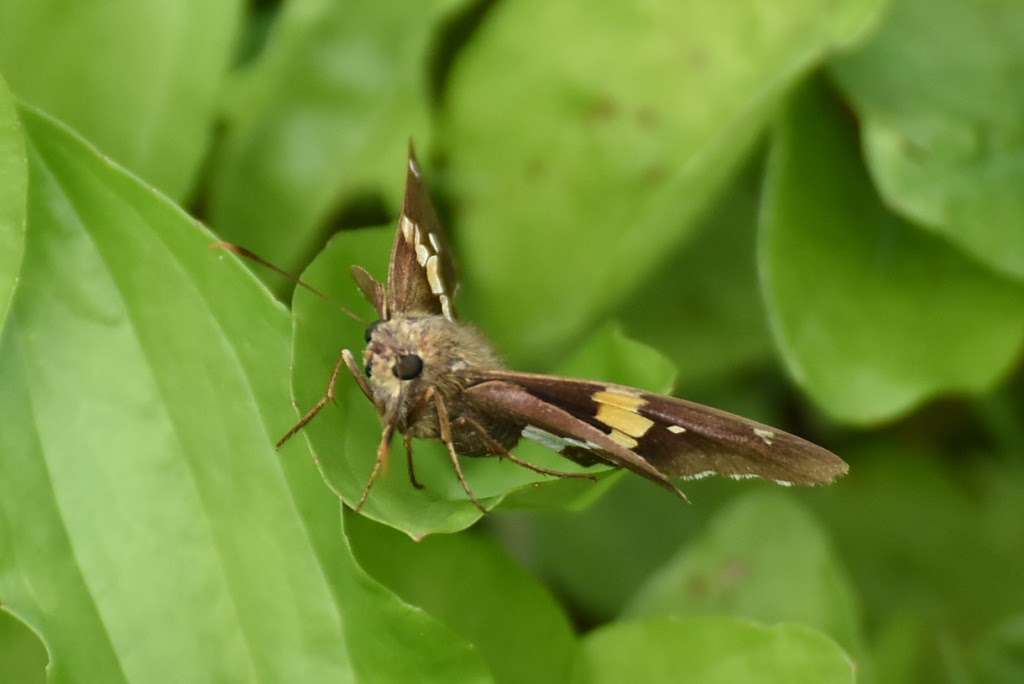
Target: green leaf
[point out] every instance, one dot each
(13, 188)
(763, 557)
(939, 541)
(597, 561)
(139, 78)
(938, 91)
(321, 119)
(22, 656)
(346, 433)
(703, 307)
(142, 379)
(469, 582)
(711, 650)
(579, 169)
(999, 656)
(872, 316)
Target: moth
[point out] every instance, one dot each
(431, 376)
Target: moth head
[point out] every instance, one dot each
(402, 358)
(406, 355)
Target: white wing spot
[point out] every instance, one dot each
(435, 243)
(422, 254)
(407, 228)
(414, 168)
(446, 307)
(699, 476)
(676, 429)
(783, 483)
(434, 276)
(766, 435)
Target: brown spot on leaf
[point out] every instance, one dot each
(655, 174)
(603, 108)
(648, 118)
(698, 586)
(536, 167)
(697, 59)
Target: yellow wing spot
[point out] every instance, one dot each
(624, 440)
(624, 420)
(614, 397)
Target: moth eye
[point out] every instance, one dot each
(408, 367)
(369, 331)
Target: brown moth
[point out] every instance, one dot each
(431, 376)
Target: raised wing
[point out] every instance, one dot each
(676, 437)
(421, 274)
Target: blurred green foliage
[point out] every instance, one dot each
(805, 211)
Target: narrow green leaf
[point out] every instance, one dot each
(471, 584)
(139, 78)
(322, 118)
(142, 379)
(346, 433)
(576, 171)
(711, 650)
(938, 90)
(13, 187)
(763, 557)
(872, 316)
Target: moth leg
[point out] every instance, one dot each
(408, 461)
(382, 456)
(446, 437)
(328, 396)
(357, 373)
(497, 448)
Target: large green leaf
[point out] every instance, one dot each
(597, 561)
(13, 186)
(938, 89)
(703, 307)
(939, 541)
(142, 378)
(345, 434)
(766, 558)
(471, 584)
(139, 78)
(999, 657)
(579, 168)
(871, 316)
(711, 650)
(22, 655)
(322, 118)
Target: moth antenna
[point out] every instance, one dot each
(243, 252)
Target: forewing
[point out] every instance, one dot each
(558, 429)
(681, 438)
(421, 274)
